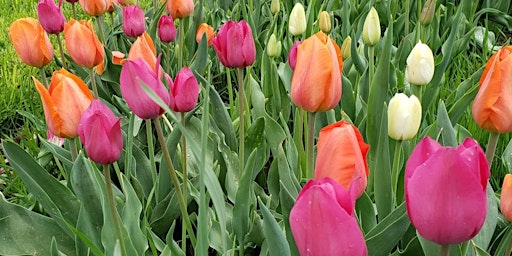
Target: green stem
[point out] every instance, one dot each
(174, 179)
(445, 250)
(185, 176)
(182, 40)
(113, 209)
(310, 144)
(100, 28)
(230, 92)
(168, 58)
(491, 147)
(371, 65)
(74, 10)
(93, 84)
(155, 5)
(151, 149)
(241, 120)
(73, 149)
(43, 77)
(59, 43)
(509, 249)
(59, 166)
(396, 169)
(129, 147)
(407, 16)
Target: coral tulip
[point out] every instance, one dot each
(316, 82)
(100, 132)
(95, 7)
(180, 9)
(506, 197)
(420, 65)
(341, 156)
(144, 48)
(371, 28)
(292, 55)
(31, 42)
(234, 45)
(64, 102)
(184, 92)
(205, 29)
(83, 44)
(166, 29)
(445, 190)
(491, 108)
(50, 16)
(323, 222)
(133, 74)
(404, 116)
(297, 22)
(133, 20)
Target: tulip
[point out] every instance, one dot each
(275, 5)
(83, 44)
(133, 74)
(166, 29)
(273, 47)
(31, 42)
(64, 102)
(144, 48)
(54, 139)
(297, 22)
(341, 156)
(371, 28)
(323, 222)
(491, 108)
(324, 21)
(51, 16)
(506, 197)
(234, 44)
(95, 7)
(445, 190)
(100, 132)
(346, 48)
(292, 55)
(205, 29)
(180, 9)
(420, 65)
(316, 81)
(404, 117)
(184, 92)
(118, 58)
(133, 21)
(427, 12)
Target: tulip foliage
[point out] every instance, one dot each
(377, 147)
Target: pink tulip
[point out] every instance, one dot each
(50, 16)
(185, 91)
(323, 222)
(445, 190)
(133, 74)
(292, 56)
(234, 45)
(100, 132)
(166, 29)
(133, 20)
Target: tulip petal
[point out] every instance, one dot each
(506, 197)
(420, 154)
(53, 119)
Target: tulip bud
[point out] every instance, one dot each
(83, 45)
(133, 21)
(404, 117)
(100, 132)
(292, 55)
(273, 47)
(346, 48)
(234, 45)
(205, 29)
(184, 92)
(324, 22)
(95, 7)
(506, 197)
(275, 5)
(166, 29)
(427, 13)
(51, 16)
(420, 65)
(371, 28)
(31, 42)
(180, 9)
(297, 22)
(144, 48)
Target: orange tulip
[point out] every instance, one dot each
(95, 7)
(205, 29)
(31, 42)
(143, 48)
(316, 82)
(506, 197)
(491, 108)
(180, 9)
(64, 102)
(83, 44)
(341, 156)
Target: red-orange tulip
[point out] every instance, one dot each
(316, 82)
(491, 108)
(83, 44)
(64, 102)
(144, 48)
(180, 9)
(95, 7)
(341, 156)
(31, 42)
(205, 29)
(506, 197)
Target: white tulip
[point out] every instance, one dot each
(420, 65)
(404, 117)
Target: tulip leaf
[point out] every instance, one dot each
(201, 57)
(382, 168)
(222, 119)
(484, 237)
(444, 126)
(62, 154)
(276, 240)
(505, 240)
(468, 92)
(287, 201)
(366, 213)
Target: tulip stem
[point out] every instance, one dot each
(310, 144)
(230, 92)
(396, 169)
(407, 16)
(509, 249)
(129, 144)
(59, 43)
(73, 8)
(113, 209)
(241, 120)
(93, 84)
(73, 149)
(371, 65)
(151, 149)
(445, 250)
(182, 39)
(43, 77)
(175, 181)
(491, 147)
(185, 175)
(155, 6)
(100, 28)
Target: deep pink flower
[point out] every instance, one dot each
(50, 16)
(445, 190)
(166, 29)
(185, 91)
(234, 45)
(292, 56)
(133, 20)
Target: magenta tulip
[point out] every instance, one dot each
(133, 74)
(133, 20)
(166, 29)
(100, 132)
(50, 16)
(445, 190)
(185, 91)
(323, 222)
(234, 45)
(292, 56)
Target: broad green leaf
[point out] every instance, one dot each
(131, 216)
(274, 235)
(201, 57)
(444, 126)
(382, 168)
(365, 212)
(485, 235)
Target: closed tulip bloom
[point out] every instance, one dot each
(346, 48)
(292, 55)
(234, 45)
(144, 48)
(31, 42)
(491, 108)
(180, 9)
(323, 222)
(297, 21)
(316, 81)
(404, 117)
(133, 74)
(371, 28)
(83, 45)
(50, 16)
(275, 5)
(324, 22)
(184, 92)
(133, 20)
(205, 29)
(273, 47)
(445, 190)
(64, 102)
(506, 197)
(420, 65)
(100, 132)
(166, 29)
(95, 7)
(341, 156)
